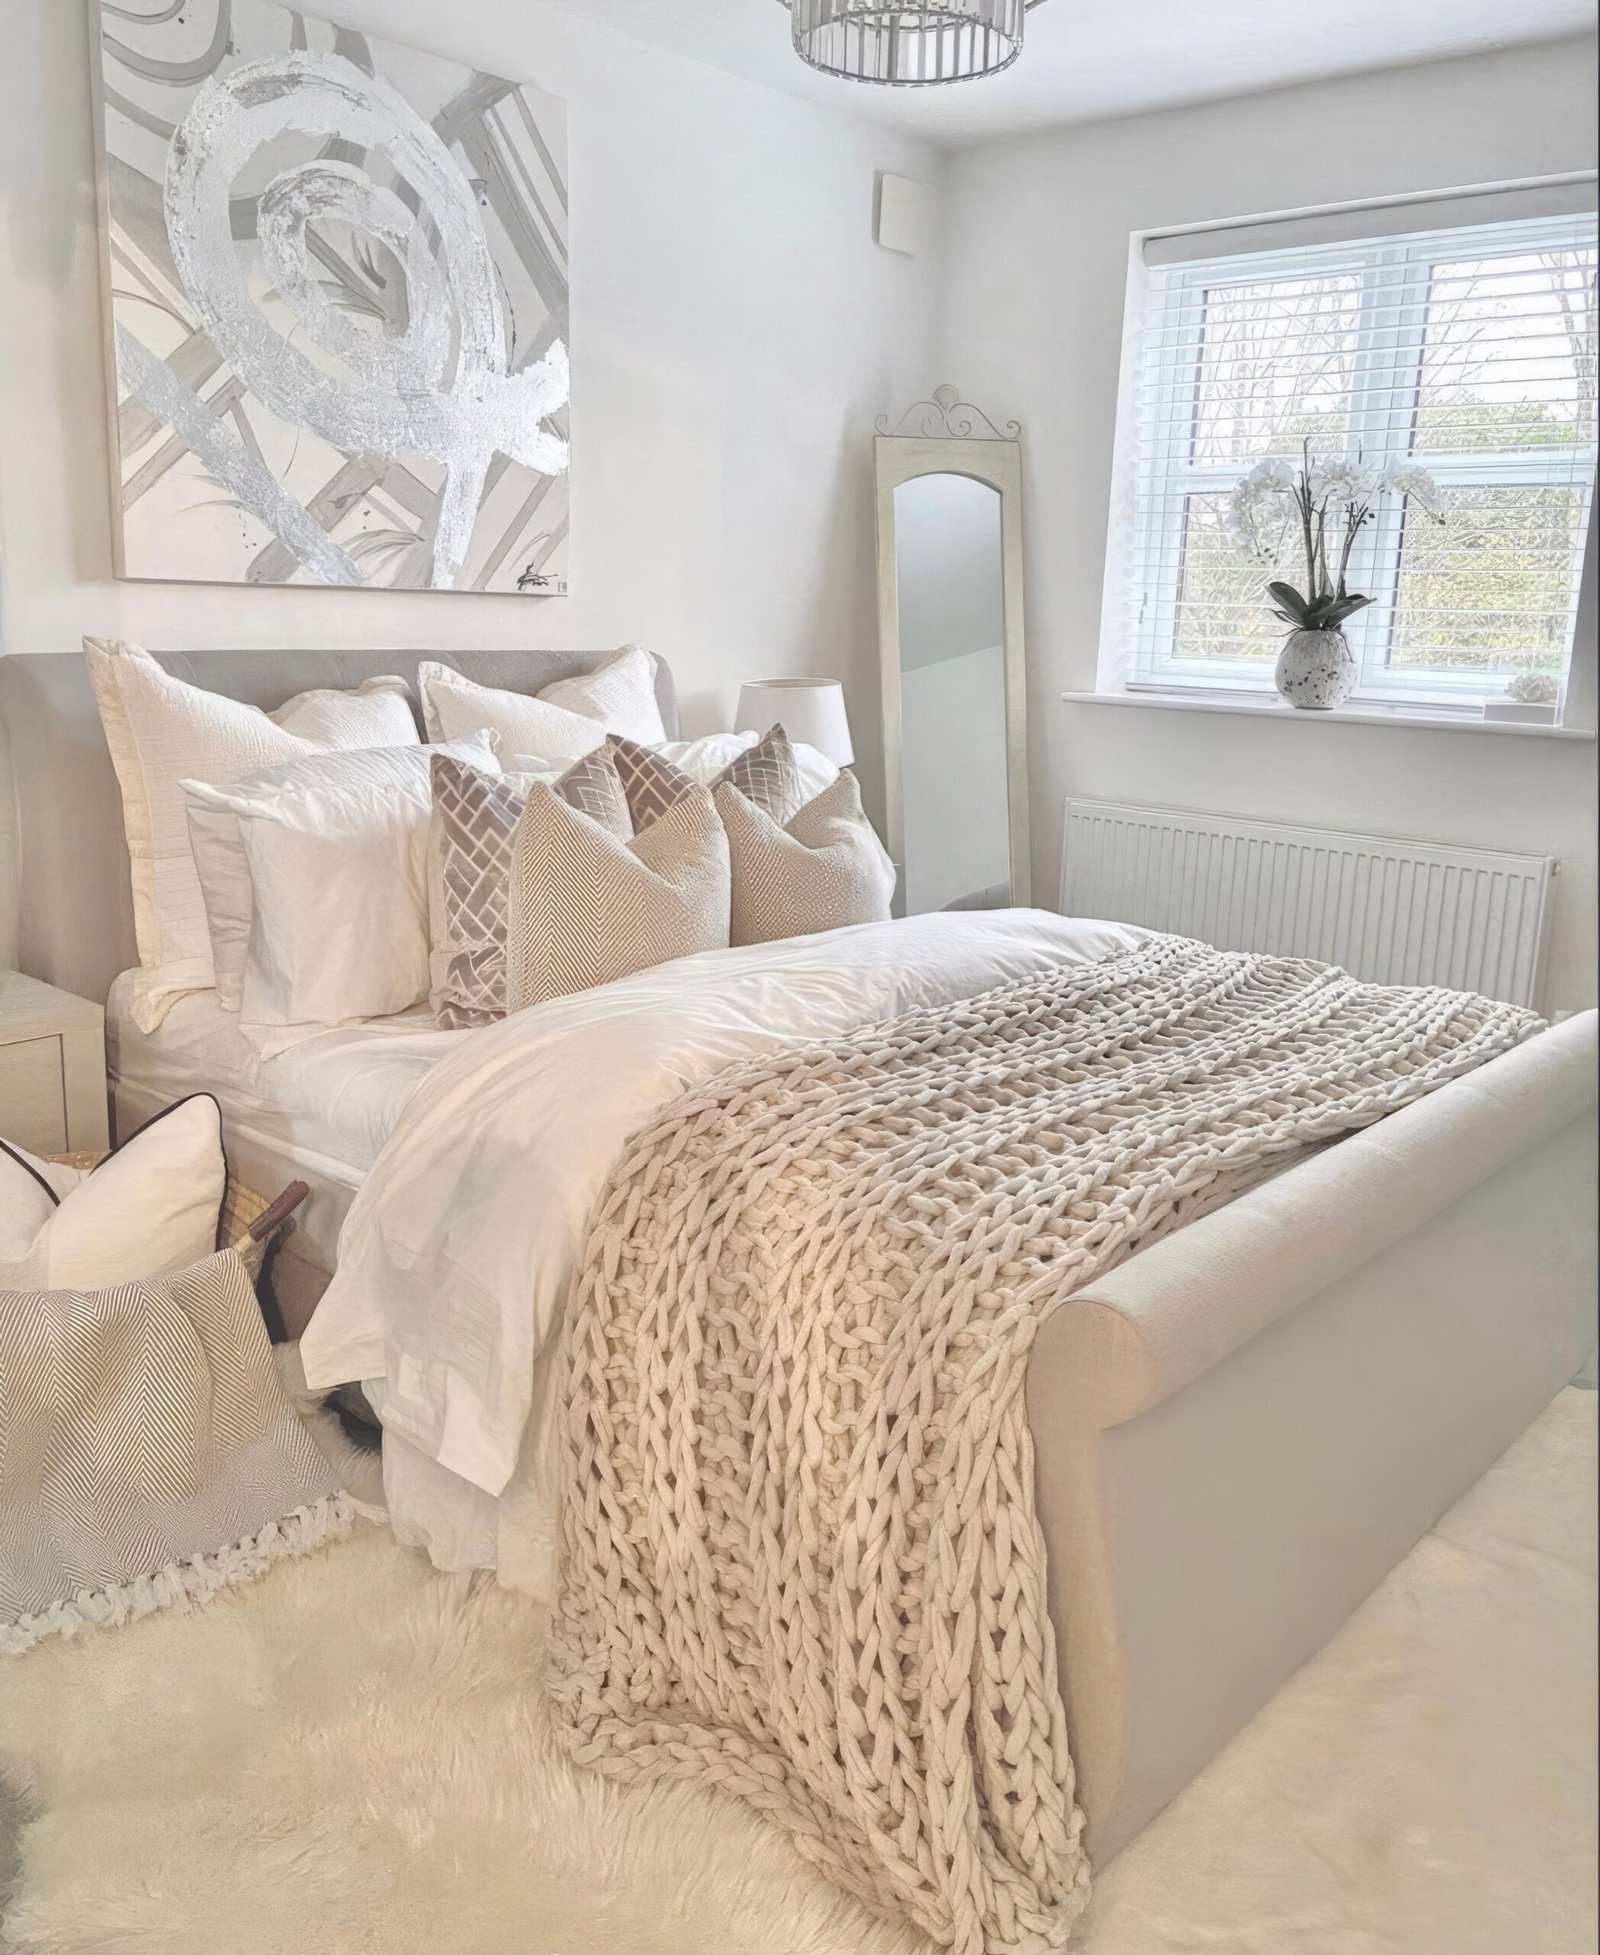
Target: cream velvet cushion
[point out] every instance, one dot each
(315, 881)
(563, 723)
(160, 732)
(588, 908)
(824, 870)
(149, 1209)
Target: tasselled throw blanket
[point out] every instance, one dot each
(800, 1554)
(147, 1452)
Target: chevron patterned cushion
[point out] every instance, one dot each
(587, 907)
(475, 817)
(824, 869)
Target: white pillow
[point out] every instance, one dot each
(621, 694)
(162, 731)
(149, 1209)
(315, 881)
(562, 723)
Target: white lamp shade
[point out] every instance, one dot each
(809, 710)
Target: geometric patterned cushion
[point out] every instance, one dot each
(651, 784)
(587, 908)
(824, 869)
(768, 775)
(474, 821)
(594, 786)
(474, 818)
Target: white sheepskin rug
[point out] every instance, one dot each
(351, 1757)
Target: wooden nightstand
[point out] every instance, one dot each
(52, 1068)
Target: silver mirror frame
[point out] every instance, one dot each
(948, 436)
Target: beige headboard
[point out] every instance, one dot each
(75, 917)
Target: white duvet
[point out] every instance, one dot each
(457, 1253)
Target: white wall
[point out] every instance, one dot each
(735, 331)
(1037, 256)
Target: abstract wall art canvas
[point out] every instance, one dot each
(336, 274)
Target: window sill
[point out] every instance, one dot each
(1275, 709)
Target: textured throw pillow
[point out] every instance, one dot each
(824, 869)
(768, 776)
(315, 882)
(562, 723)
(475, 816)
(594, 786)
(587, 908)
(711, 759)
(767, 773)
(149, 1209)
(621, 694)
(651, 783)
(160, 732)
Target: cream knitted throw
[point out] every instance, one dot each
(800, 1553)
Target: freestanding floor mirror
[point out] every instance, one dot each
(949, 501)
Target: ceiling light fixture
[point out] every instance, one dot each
(913, 45)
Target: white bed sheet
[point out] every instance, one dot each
(458, 1252)
(319, 1112)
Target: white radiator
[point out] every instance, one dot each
(1388, 911)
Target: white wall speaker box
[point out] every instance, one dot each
(905, 215)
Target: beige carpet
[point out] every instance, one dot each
(351, 1758)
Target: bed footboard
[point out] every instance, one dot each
(1244, 1428)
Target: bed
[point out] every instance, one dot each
(318, 1113)
(1237, 1433)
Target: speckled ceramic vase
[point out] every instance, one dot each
(1316, 670)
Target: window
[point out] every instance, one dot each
(1468, 351)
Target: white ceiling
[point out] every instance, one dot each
(1087, 58)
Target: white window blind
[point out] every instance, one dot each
(1469, 349)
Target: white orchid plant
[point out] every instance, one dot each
(1327, 505)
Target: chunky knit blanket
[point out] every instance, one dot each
(800, 1554)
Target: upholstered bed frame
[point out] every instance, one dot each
(1241, 1430)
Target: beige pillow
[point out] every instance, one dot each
(768, 776)
(473, 825)
(161, 732)
(650, 784)
(714, 758)
(588, 908)
(824, 870)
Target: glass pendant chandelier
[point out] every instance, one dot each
(912, 45)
